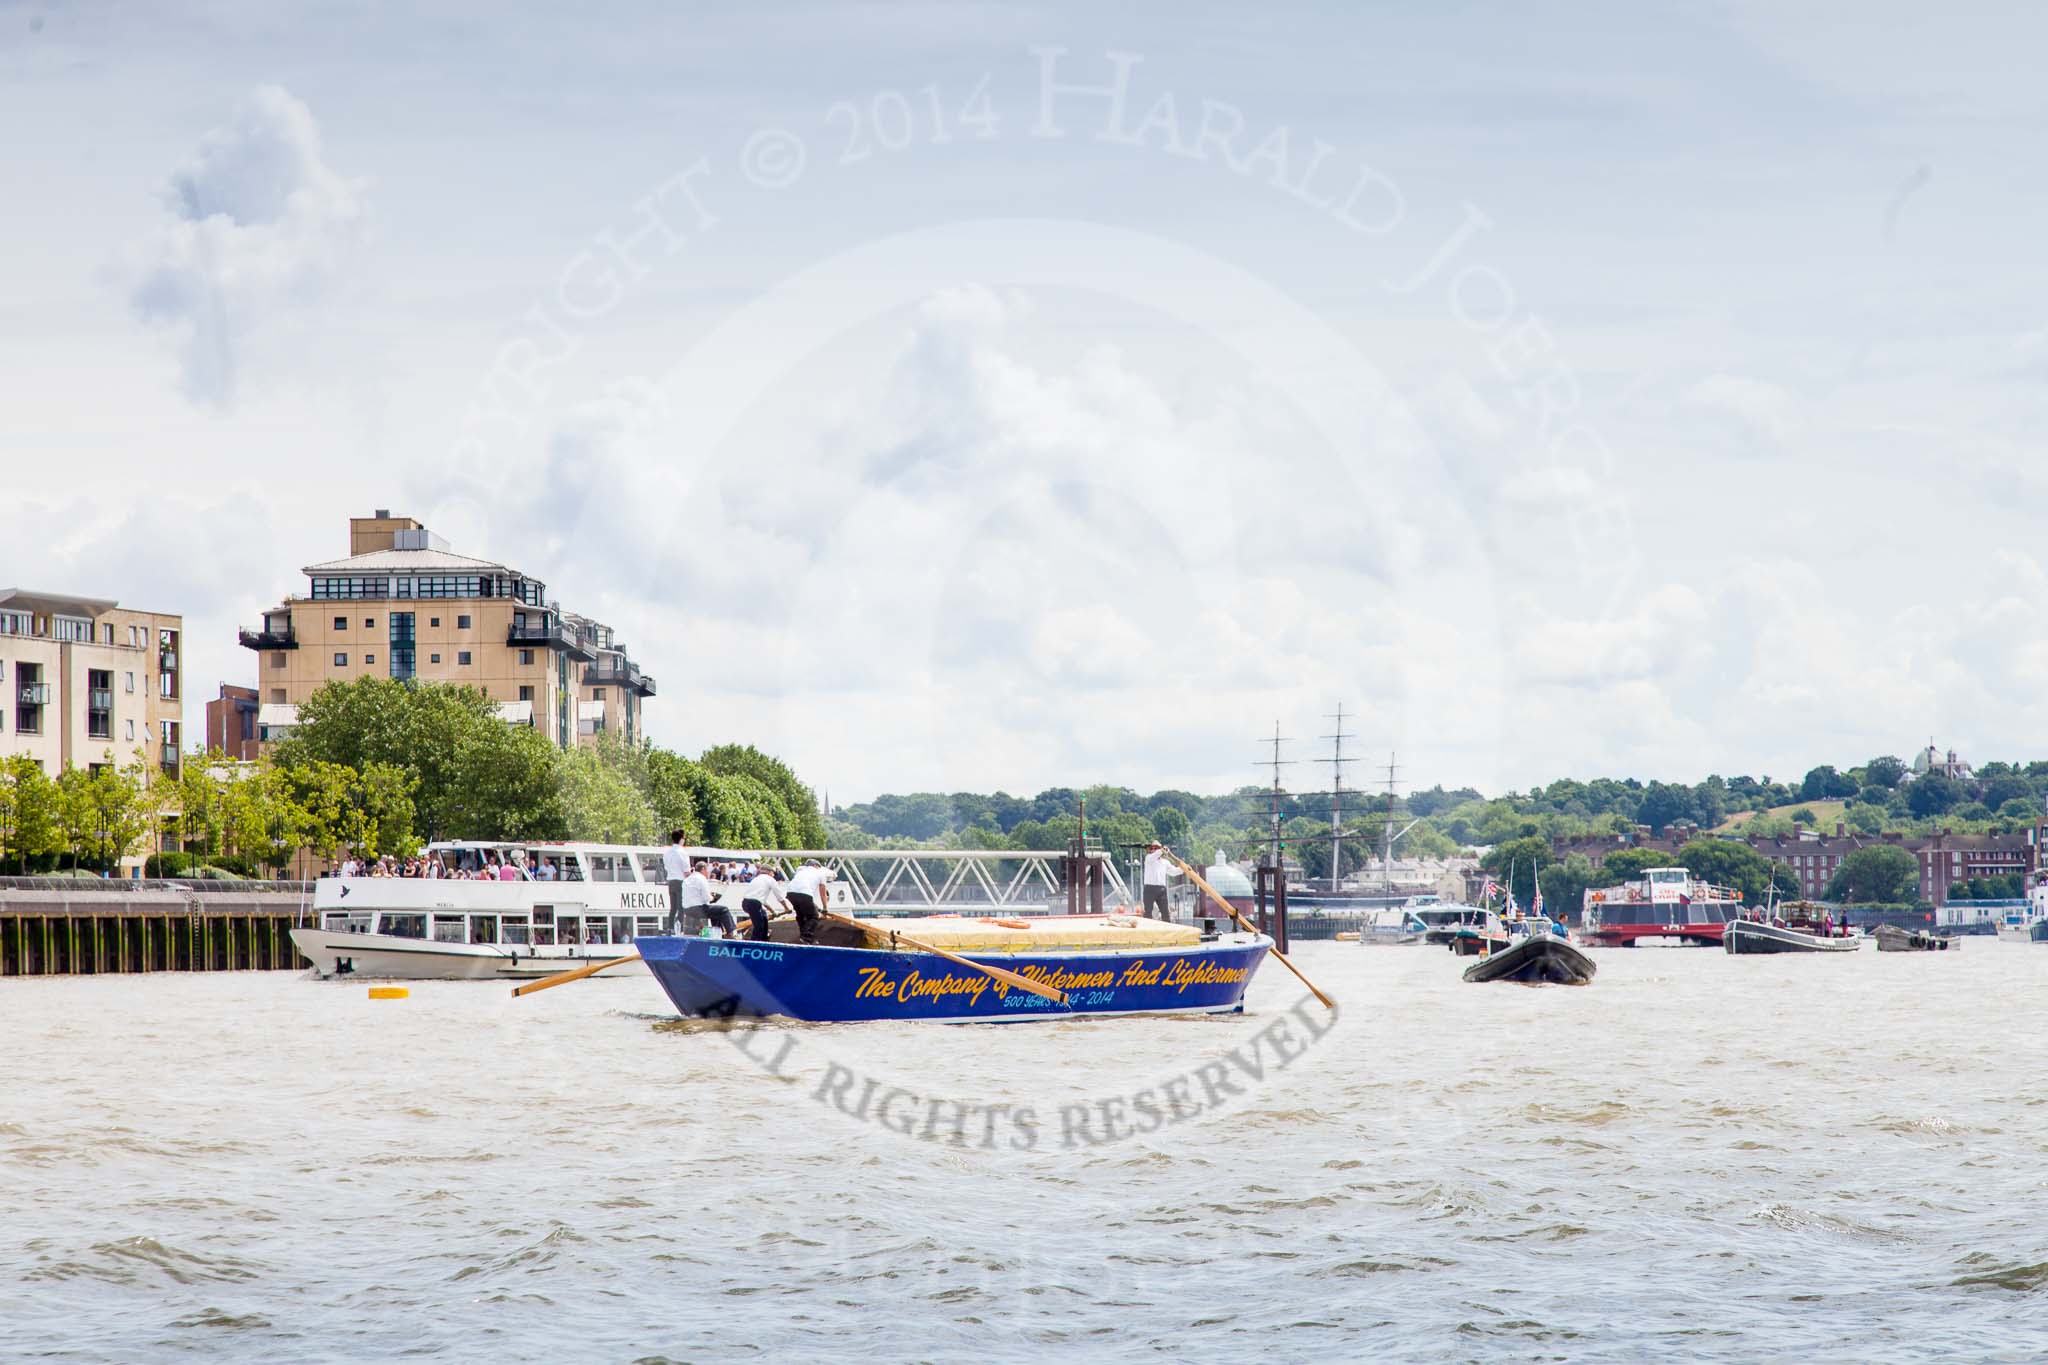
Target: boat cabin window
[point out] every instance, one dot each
(569, 929)
(649, 926)
(622, 928)
(557, 867)
(604, 868)
(512, 929)
(483, 928)
(346, 921)
(1667, 876)
(650, 867)
(403, 926)
(450, 929)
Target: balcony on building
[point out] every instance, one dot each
(100, 699)
(270, 636)
(168, 754)
(610, 672)
(541, 630)
(34, 694)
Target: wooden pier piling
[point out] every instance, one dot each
(58, 927)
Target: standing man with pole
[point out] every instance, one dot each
(675, 869)
(1158, 869)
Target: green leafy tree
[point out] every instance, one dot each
(602, 803)
(29, 824)
(1564, 885)
(1724, 862)
(806, 829)
(1932, 793)
(1885, 771)
(261, 820)
(669, 782)
(1880, 874)
(1518, 861)
(103, 813)
(450, 739)
(1170, 826)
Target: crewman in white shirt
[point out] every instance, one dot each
(763, 891)
(807, 895)
(697, 905)
(1158, 870)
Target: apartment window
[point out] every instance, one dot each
(341, 623)
(526, 692)
(369, 623)
(340, 660)
(402, 647)
(131, 731)
(369, 659)
(462, 657)
(167, 685)
(277, 661)
(99, 703)
(526, 656)
(462, 623)
(74, 630)
(106, 632)
(433, 658)
(128, 681)
(434, 621)
(277, 695)
(597, 694)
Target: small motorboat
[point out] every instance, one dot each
(1892, 938)
(1537, 958)
(1760, 936)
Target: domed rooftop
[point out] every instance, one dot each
(1228, 881)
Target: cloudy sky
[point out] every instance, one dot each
(975, 396)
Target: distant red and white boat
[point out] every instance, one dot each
(1668, 903)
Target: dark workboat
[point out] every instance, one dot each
(1537, 958)
(1893, 939)
(1801, 933)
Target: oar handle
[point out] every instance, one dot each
(1231, 910)
(564, 978)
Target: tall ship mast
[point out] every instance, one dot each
(1277, 763)
(1336, 760)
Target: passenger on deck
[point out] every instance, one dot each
(805, 893)
(763, 891)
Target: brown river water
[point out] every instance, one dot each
(1696, 1157)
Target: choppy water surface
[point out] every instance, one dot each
(1697, 1156)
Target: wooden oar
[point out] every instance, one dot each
(1022, 983)
(1231, 910)
(564, 978)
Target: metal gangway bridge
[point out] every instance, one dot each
(922, 881)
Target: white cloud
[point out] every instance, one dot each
(259, 226)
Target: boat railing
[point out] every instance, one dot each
(210, 886)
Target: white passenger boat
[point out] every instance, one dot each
(2018, 925)
(583, 902)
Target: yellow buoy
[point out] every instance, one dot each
(389, 992)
